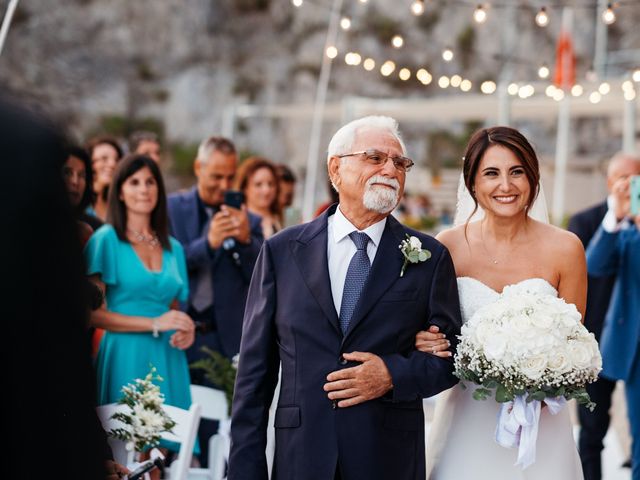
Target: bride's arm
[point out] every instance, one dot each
(572, 286)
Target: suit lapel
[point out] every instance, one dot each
(191, 213)
(385, 271)
(310, 254)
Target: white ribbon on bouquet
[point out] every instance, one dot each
(518, 426)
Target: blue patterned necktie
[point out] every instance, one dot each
(357, 274)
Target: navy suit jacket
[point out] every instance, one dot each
(585, 224)
(291, 318)
(619, 254)
(230, 281)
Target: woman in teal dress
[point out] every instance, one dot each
(142, 271)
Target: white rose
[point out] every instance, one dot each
(483, 331)
(580, 354)
(559, 362)
(542, 320)
(415, 243)
(533, 366)
(495, 346)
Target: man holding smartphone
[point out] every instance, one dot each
(221, 242)
(615, 251)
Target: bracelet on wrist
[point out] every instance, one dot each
(154, 326)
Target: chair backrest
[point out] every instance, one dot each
(213, 402)
(184, 432)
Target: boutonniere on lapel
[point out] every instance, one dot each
(413, 252)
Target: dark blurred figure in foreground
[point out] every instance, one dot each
(48, 385)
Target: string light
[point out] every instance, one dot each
(297, 3)
(345, 23)
(627, 85)
(542, 18)
(488, 87)
(387, 68)
(480, 14)
(443, 81)
(417, 7)
(332, 52)
(397, 41)
(604, 88)
(352, 58)
(465, 85)
(404, 74)
(543, 71)
(456, 80)
(447, 54)
(526, 91)
(609, 16)
(595, 97)
(630, 94)
(558, 94)
(550, 90)
(424, 76)
(512, 89)
(636, 75)
(364, 1)
(369, 64)
(577, 90)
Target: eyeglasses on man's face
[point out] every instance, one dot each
(378, 158)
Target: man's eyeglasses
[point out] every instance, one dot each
(376, 157)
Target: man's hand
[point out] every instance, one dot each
(622, 196)
(430, 341)
(229, 223)
(371, 379)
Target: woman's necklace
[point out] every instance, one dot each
(491, 257)
(151, 240)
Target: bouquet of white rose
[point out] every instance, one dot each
(146, 418)
(527, 347)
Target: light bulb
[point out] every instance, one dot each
(465, 85)
(369, 64)
(296, 3)
(417, 7)
(345, 23)
(636, 75)
(604, 88)
(542, 18)
(595, 97)
(404, 74)
(480, 14)
(488, 87)
(443, 81)
(397, 41)
(513, 89)
(332, 52)
(456, 80)
(447, 55)
(577, 90)
(609, 16)
(543, 71)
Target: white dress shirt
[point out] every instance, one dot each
(610, 223)
(340, 249)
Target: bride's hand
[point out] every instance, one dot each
(430, 341)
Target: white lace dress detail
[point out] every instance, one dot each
(461, 442)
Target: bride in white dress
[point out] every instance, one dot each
(502, 245)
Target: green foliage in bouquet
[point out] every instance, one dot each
(146, 418)
(491, 387)
(219, 370)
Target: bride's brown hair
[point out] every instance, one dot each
(506, 137)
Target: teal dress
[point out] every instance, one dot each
(133, 289)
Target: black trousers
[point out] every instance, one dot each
(594, 426)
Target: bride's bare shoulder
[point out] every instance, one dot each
(559, 241)
(453, 237)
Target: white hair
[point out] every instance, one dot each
(619, 158)
(343, 140)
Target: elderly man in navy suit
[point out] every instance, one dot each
(333, 302)
(585, 224)
(615, 250)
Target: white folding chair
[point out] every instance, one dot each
(214, 407)
(184, 432)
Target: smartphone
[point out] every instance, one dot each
(233, 198)
(139, 472)
(635, 195)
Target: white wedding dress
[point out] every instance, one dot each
(461, 442)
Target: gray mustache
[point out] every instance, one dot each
(392, 182)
